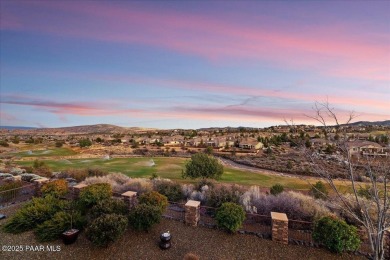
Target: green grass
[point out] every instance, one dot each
(45, 153)
(171, 168)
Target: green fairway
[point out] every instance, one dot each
(171, 168)
(45, 153)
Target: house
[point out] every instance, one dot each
(367, 148)
(250, 143)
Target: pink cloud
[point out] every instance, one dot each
(69, 108)
(332, 50)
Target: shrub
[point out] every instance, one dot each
(82, 174)
(154, 198)
(204, 182)
(336, 235)
(169, 189)
(57, 188)
(230, 216)
(296, 205)
(106, 229)
(276, 189)
(4, 143)
(34, 213)
(94, 193)
(217, 196)
(108, 206)
(319, 190)
(138, 185)
(40, 168)
(53, 228)
(144, 216)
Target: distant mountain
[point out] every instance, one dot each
(82, 129)
(367, 123)
(87, 129)
(17, 127)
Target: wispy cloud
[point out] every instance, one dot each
(68, 108)
(332, 50)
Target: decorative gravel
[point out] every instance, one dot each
(204, 242)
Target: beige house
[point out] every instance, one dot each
(251, 143)
(367, 148)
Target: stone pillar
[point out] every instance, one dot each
(279, 227)
(130, 198)
(38, 185)
(77, 189)
(192, 214)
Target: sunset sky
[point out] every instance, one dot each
(191, 64)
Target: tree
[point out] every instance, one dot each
(373, 214)
(203, 166)
(276, 189)
(319, 190)
(85, 142)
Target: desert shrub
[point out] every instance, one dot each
(138, 185)
(369, 205)
(170, 189)
(40, 168)
(365, 192)
(78, 174)
(219, 195)
(91, 195)
(4, 143)
(106, 229)
(154, 198)
(121, 183)
(82, 174)
(34, 213)
(247, 198)
(296, 205)
(108, 206)
(319, 190)
(95, 171)
(27, 168)
(144, 216)
(230, 216)
(56, 188)
(276, 189)
(336, 235)
(204, 182)
(53, 228)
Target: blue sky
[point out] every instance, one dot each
(199, 64)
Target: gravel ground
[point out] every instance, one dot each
(204, 242)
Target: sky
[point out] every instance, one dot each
(191, 64)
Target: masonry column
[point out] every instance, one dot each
(38, 185)
(279, 227)
(77, 189)
(192, 214)
(130, 198)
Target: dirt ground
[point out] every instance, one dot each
(204, 242)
